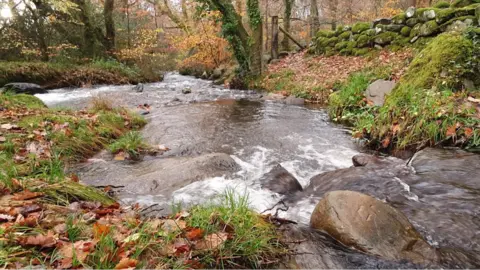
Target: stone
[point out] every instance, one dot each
(410, 12)
(24, 88)
(399, 19)
(385, 38)
(291, 100)
(406, 31)
(468, 84)
(377, 91)
(412, 22)
(186, 91)
(444, 15)
(360, 27)
(394, 27)
(217, 73)
(279, 180)
(138, 88)
(427, 15)
(429, 28)
(382, 21)
(370, 225)
(459, 26)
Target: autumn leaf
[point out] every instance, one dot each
(126, 263)
(395, 128)
(212, 241)
(40, 240)
(468, 132)
(452, 131)
(194, 234)
(2, 139)
(170, 225)
(386, 142)
(100, 230)
(4, 218)
(26, 195)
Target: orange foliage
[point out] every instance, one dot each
(388, 10)
(204, 48)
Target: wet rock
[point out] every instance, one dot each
(138, 88)
(377, 91)
(163, 175)
(24, 88)
(317, 250)
(364, 160)
(273, 96)
(372, 226)
(291, 100)
(187, 90)
(280, 181)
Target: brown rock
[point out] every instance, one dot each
(365, 223)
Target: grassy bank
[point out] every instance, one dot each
(49, 219)
(56, 75)
(428, 107)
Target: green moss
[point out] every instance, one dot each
(442, 4)
(445, 15)
(429, 28)
(322, 42)
(439, 63)
(332, 41)
(400, 18)
(360, 27)
(445, 25)
(406, 31)
(401, 41)
(412, 22)
(325, 33)
(385, 38)
(345, 35)
(463, 3)
(415, 30)
(361, 51)
(355, 37)
(370, 32)
(466, 11)
(364, 41)
(427, 14)
(339, 30)
(394, 27)
(341, 45)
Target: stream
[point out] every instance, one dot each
(227, 140)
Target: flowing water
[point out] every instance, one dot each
(258, 135)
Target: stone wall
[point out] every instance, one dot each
(412, 26)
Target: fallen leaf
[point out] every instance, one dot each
(26, 195)
(126, 263)
(120, 156)
(194, 234)
(79, 250)
(386, 142)
(468, 132)
(395, 129)
(171, 225)
(452, 131)
(44, 241)
(8, 126)
(31, 208)
(472, 99)
(132, 238)
(100, 230)
(212, 241)
(60, 228)
(2, 139)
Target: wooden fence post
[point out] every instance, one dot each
(274, 37)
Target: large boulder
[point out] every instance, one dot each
(367, 224)
(377, 91)
(24, 88)
(280, 181)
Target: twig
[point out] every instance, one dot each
(146, 208)
(271, 208)
(109, 186)
(282, 220)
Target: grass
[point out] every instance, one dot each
(57, 75)
(46, 140)
(131, 143)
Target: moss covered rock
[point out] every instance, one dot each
(427, 14)
(364, 41)
(415, 30)
(400, 19)
(385, 38)
(464, 3)
(360, 52)
(445, 15)
(466, 11)
(461, 23)
(406, 31)
(360, 27)
(429, 28)
(477, 14)
(442, 4)
(412, 22)
(332, 41)
(394, 27)
(345, 35)
(370, 32)
(341, 45)
(411, 12)
(440, 62)
(325, 33)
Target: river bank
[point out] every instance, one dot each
(52, 75)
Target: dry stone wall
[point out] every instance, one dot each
(412, 26)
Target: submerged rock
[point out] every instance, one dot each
(186, 91)
(372, 226)
(377, 91)
(280, 181)
(24, 88)
(138, 88)
(294, 101)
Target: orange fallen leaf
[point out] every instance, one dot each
(44, 241)
(100, 230)
(386, 142)
(468, 132)
(212, 241)
(126, 263)
(194, 234)
(26, 195)
(452, 131)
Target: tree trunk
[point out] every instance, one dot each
(314, 20)
(274, 37)
(88, 30)
(256, 47)
(267, 34)
(109, 25)
(334, 9)
(286, 23)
